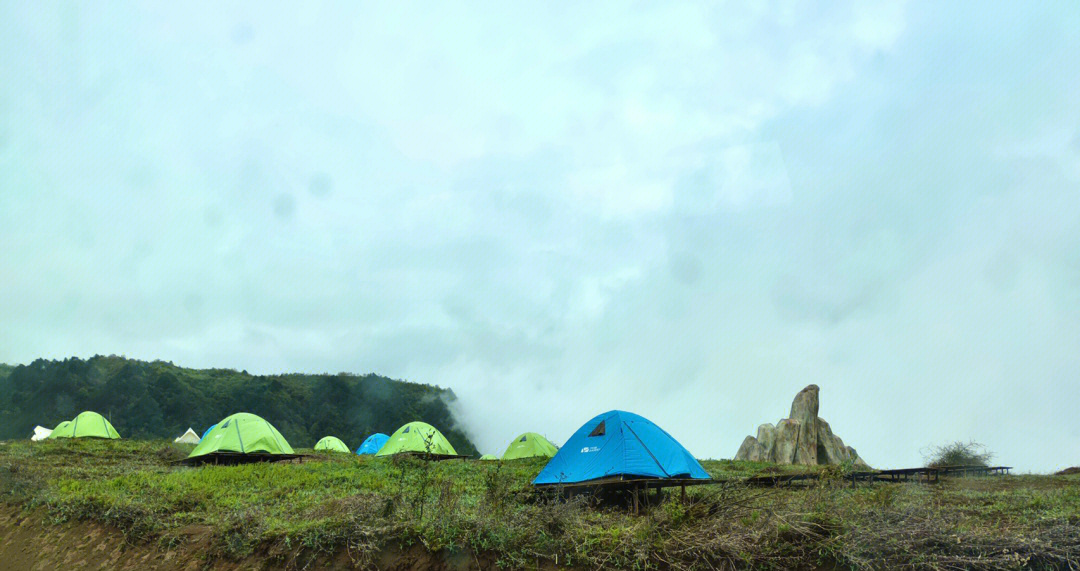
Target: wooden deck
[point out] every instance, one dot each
(235, 458)
(638, 487)
(427, 456)
(936, 473)
(635, 486)
(924, 475)
(632, 481)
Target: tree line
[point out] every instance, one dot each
(161, 400)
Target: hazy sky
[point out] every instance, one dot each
(687, 211)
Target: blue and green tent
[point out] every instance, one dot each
(620, 444)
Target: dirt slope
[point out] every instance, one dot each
(28, 542)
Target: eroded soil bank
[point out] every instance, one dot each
(28, 541)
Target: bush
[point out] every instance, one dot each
(958, 454)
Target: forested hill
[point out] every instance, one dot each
(161, 400)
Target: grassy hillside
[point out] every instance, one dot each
(342, 503)
(160, 400)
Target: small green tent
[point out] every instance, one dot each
(489, 457)
(88, 424)
(530, 445)
(332, 444)
(244, 433)
(417, 437)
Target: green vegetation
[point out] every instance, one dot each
(161, 400)
(338, 503)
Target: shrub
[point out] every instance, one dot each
(958, 454)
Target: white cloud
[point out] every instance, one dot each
(626, 98)
(690, 211)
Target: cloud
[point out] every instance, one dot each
(689, 211)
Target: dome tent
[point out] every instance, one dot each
(372, 444)
(40, 433)
(242, 433)
(207, 431)
(417, 437)
(332, 444)
(530, 445)
(620, 444)
(88, 424)
(60, 429)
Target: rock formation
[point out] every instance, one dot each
(802, 438)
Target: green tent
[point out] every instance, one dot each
(243, 433)
(530, 445)
(62, 430)
(489, 457)
(332, 444)
(88, 424)
(417, 437)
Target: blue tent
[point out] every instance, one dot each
(373, 443)
(620, 444)
(207, 431)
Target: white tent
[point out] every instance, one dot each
(40, 433)
(189, 437)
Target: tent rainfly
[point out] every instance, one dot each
(189, 437)
(40, 433)
(61, 428)
(486, 457)
(372, 444)
(332, 444)
(88, 424)
(620, 444)
(242, 433)
(530, 445)
(418, 437)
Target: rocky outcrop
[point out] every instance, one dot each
(802, 438)
(750, 450)
(804, 411)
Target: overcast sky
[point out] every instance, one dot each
(686, 211)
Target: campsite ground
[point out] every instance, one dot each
(340, 508)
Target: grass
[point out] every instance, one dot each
(364, 505)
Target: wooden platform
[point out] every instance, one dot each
(635, 486)
(776, 480)
(923, 475)
(938, 472)
(630, 481)
(235, 458)
(427, 456)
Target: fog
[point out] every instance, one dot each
(690, 212)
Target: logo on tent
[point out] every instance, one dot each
(590, 449)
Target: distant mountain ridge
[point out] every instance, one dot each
(160, 400)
